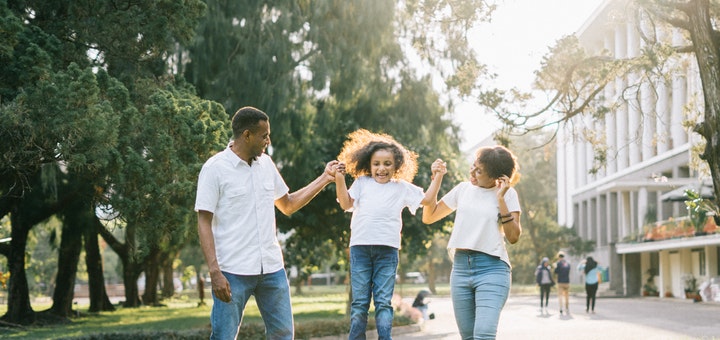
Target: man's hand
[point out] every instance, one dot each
(330, 170)
(221, 287)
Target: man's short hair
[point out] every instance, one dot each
(246, 118)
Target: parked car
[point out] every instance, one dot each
(415, 277)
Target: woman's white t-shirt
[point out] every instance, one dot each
(476, 220)
(377, 210)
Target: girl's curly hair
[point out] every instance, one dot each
(362, 144)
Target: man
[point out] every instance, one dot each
(238, 190)
(562, 271)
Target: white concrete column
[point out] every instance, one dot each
(634, 112)
(662, 108)
(562, 177)
(581, 167)
(621, 123)
(624, 212)
(588, 152)
(610, 132)
(662, 120)
(679, 99)
(649, 116)
(642, 209)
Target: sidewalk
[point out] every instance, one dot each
(615, 318)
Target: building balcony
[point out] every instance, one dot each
(673, 233)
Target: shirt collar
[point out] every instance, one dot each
(234, 159)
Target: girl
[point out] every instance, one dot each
(488, 212)
(383, 170)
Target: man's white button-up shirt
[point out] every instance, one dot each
(242, 200)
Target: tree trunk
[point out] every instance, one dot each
(68, 258)
(19, 310)
(200, 287)
(131, 267)
(298, 284)
(432, 275)
(707, 53)
(168, 287)
(152, 276)
(131, 273)
(99, 300)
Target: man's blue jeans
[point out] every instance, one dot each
(272, 295)
(479, 286)
(372, 270)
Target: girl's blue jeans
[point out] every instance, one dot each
(479, 286)
(272, 295)
(372, 271)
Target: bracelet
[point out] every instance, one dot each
(500, 217)
(508, 220)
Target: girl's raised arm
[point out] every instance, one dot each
(432, 211)
(341, 190)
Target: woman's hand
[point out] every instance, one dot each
(503, 184)
(438, 167)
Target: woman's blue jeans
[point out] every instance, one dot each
(272, 295)
(479, 286)
(372, 271)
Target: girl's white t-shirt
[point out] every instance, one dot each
(377, 210)
(476, 220)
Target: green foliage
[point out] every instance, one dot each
(86, 91)
(698, 208)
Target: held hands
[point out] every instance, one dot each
(438, 167)
(339, 170)
(331, 169)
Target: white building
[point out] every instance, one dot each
(648, 155)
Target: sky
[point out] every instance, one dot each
(512, 46)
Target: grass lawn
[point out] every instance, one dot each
(324, 303)
(315, 304)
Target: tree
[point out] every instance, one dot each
(155, 177)
(577, 78)
(70, 71)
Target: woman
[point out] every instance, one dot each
(543, 277)
(488, 213)
(592, 280)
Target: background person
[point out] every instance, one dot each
(238, 190)
(593, 277)
(562, 271)
(543, 277)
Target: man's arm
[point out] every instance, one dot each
(292, 202)
(220, 285)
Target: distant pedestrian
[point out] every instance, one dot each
(488, 215)
(562, 271)
(593, 277)
(543, 277)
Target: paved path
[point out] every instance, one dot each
(615, 319)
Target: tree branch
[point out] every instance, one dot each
(119, 247)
